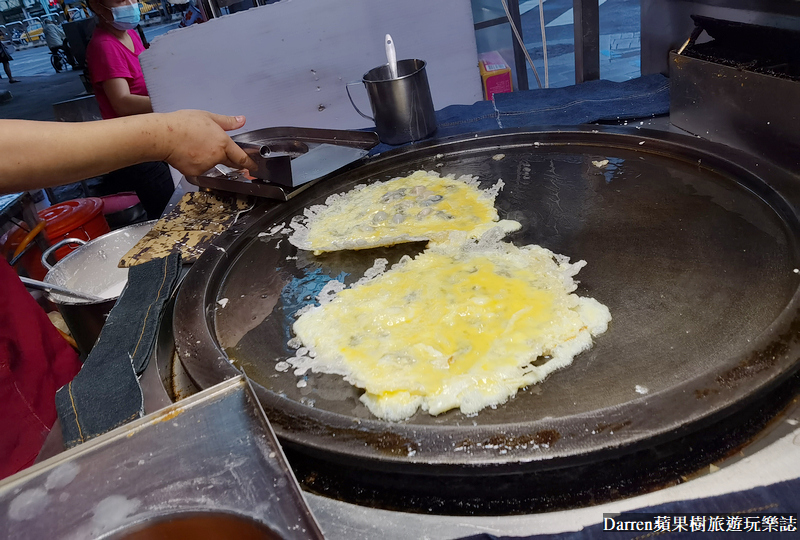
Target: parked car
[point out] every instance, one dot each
(34, 30)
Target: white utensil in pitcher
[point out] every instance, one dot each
(391, 56)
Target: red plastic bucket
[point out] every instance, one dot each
(78, 218)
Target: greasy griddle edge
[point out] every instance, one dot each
(386, 446)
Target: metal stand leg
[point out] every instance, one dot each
(587, 40)
(520, 64)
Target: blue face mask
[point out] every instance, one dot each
(126, 17)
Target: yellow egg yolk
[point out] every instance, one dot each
(439, 322)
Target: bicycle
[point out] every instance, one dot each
(58, 59)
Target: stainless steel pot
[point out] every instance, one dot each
(91, 269)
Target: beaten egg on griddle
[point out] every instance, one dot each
(421, 206)
(462, 325)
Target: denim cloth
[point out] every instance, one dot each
(106, 394)
(592, 101)
(779, 498)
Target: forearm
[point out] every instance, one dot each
(44, 154)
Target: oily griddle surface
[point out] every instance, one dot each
(694, 267)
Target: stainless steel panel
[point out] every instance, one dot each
(211, 457)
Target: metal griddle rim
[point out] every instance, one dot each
(196, 304)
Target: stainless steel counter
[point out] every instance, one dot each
(210, 463)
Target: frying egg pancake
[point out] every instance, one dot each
(464, 325)
(422, 206)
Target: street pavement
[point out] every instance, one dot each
(34, 95)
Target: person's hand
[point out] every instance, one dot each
(196, 141)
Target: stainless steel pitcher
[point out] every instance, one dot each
(402, 107)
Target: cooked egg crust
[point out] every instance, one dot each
(422, 206)
(463, 325)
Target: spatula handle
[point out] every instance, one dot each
(391, 56)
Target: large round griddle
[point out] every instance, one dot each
(691, 245)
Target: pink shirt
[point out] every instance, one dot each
(107, 58)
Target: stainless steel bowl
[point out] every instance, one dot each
(92, 269)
